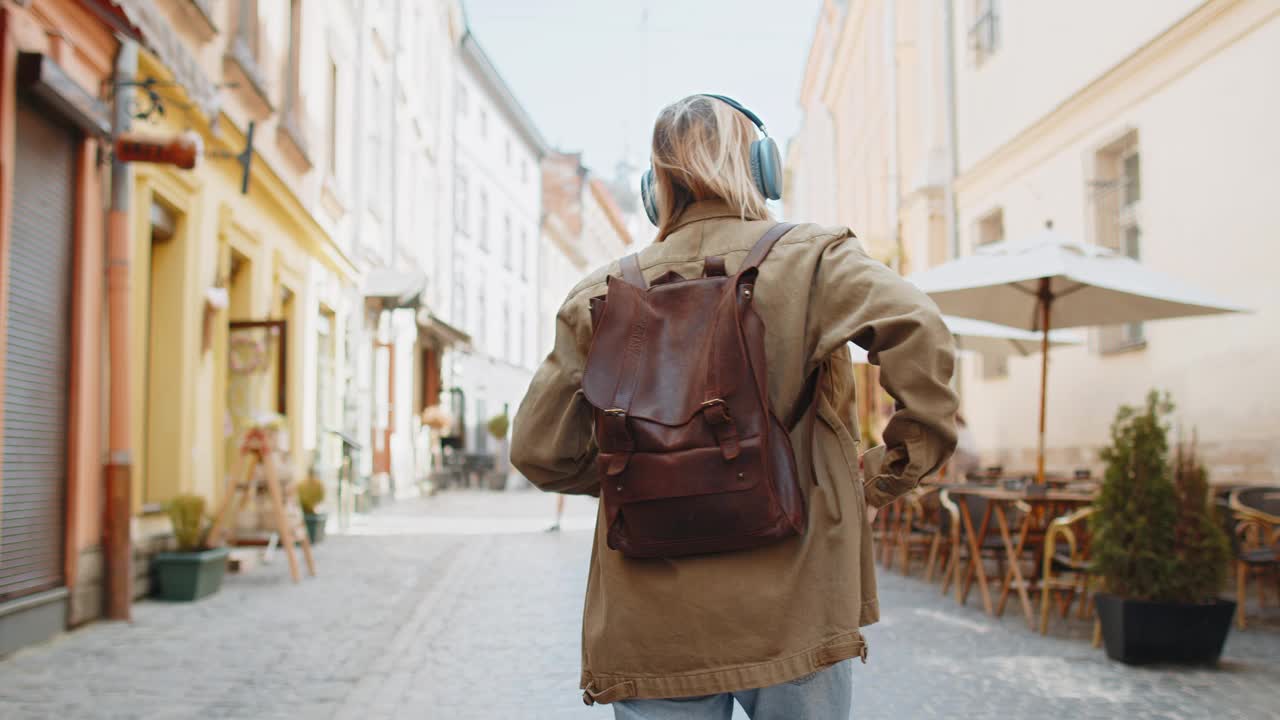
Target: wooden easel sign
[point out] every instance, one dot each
(256, 450)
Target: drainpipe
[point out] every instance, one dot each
(953, 151)
(117, 542)
(895, 192)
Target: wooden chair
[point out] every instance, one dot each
(917, 527)
(946, 541)
(1251, 517)
(1066, 574)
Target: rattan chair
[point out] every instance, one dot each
(1066, 574)
(1251, 518)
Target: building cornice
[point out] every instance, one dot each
(479, 61)
(1169, 56)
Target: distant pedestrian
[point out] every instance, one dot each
(702, 387)
(555, 526)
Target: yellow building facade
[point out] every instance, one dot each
(238, 301)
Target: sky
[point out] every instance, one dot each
(593, 74)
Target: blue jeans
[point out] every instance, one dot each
(825, 695)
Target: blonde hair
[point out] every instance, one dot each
(701, 151)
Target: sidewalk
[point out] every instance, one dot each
(460, 606)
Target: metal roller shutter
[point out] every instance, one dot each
(32, 509)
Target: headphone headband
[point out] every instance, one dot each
(755, 119)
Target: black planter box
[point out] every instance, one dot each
(186, 576)
(1137, 632)
(315, 526)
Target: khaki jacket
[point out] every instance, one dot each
(717, 623)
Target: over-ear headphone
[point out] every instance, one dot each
(766, 164)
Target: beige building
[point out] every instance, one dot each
(582, 229)
(1153, 140)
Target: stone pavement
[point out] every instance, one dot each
(460, 606)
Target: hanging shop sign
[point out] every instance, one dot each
(181, 151)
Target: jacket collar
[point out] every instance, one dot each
(705, 210)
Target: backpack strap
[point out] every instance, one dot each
(714, 409)
(762, 247)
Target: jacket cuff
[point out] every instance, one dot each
(880, 487)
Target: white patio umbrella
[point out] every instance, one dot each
(988, 338)
(1049, 281)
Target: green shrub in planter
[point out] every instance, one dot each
(1157, 547)
(192, 572)
(498, 426)
(310, 495)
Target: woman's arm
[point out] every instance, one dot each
(551, 442)
(857, 298)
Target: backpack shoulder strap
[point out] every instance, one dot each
(763, 246)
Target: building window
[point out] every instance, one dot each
(524, 171)
(520, 350)
(990, 230)
(994, 366)
(290, 120)
(505, 330)
(460, 296)
(460, 202)
(509, 241)
(460, 101)
(1117, 201)
(526, 251)
(377, 152)
(991, 227)
(984, 32)
(483, 220)
(484, 123)
(332, 113)
(482, 317)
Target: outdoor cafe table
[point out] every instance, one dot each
(1043, 506)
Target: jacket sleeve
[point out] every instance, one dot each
(858, 298)
(551, 442)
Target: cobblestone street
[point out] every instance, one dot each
(460, 606)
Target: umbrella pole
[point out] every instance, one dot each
(1046, 298)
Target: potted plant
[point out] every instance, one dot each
(1158, 549)
(498, 426)
(310, 495)
(193, 571)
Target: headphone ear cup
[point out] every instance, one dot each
(766, 165)
(647, 196)
(756, 177)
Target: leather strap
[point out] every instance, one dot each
(714, 267)
(630, 267)
(762, 247)
(615, 417)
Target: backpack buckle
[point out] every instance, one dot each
(716, 413)
(616, 412)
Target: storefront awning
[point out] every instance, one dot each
(442, 332)
(395, 288)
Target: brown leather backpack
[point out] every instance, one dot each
(692, 459)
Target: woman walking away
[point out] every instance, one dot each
(702, 388)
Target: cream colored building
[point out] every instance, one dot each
(582, 229)
(1154, 137)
